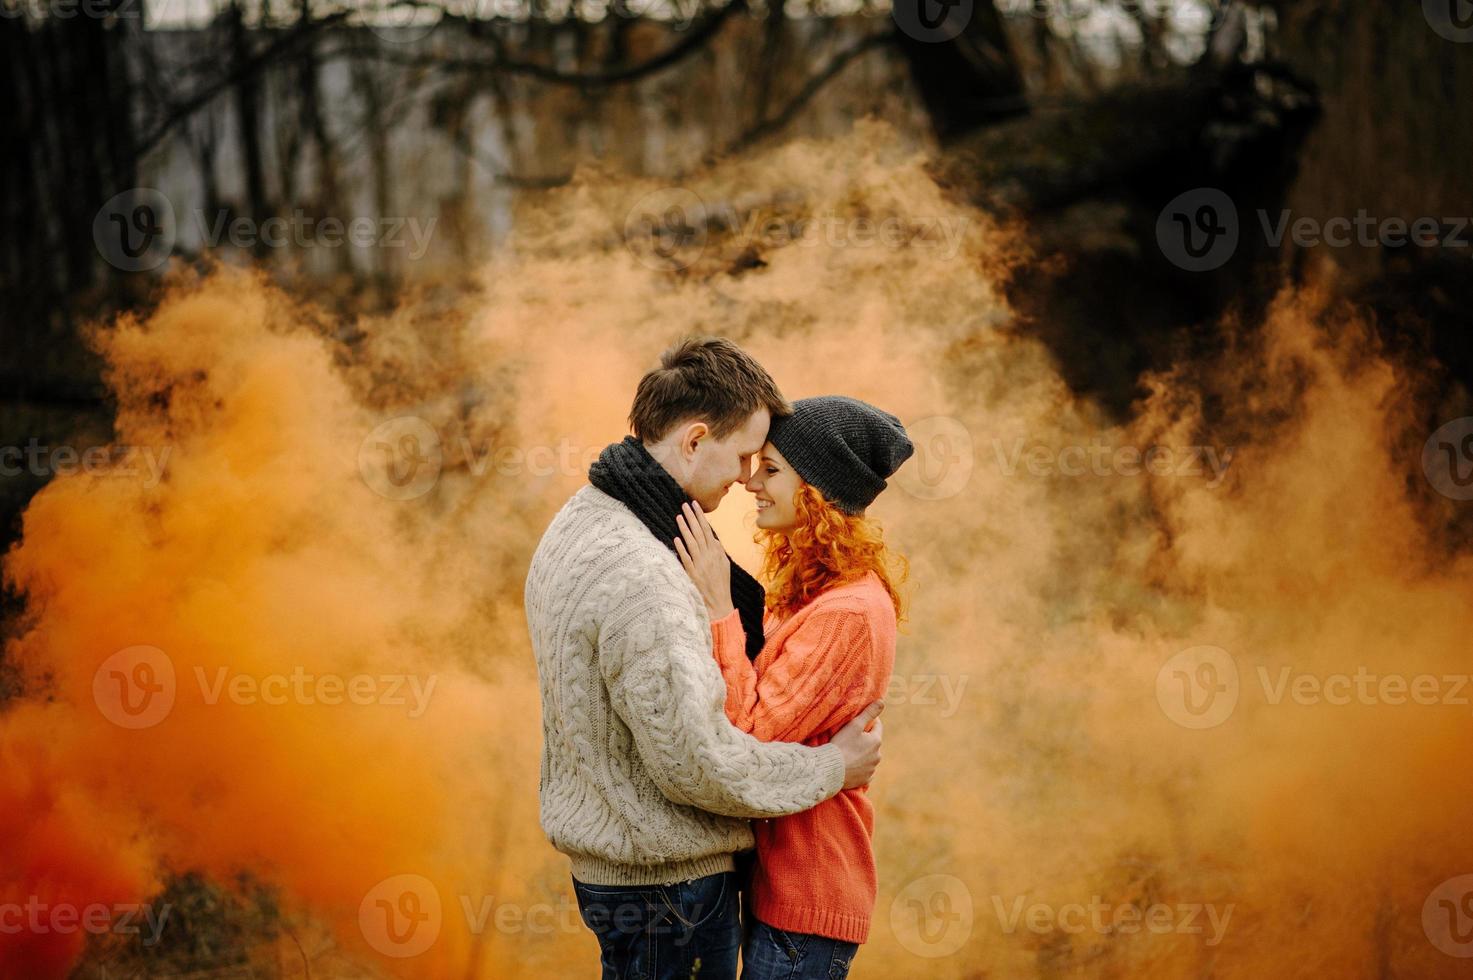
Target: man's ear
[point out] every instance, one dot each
(693, 434)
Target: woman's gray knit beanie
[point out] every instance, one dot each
(843, 446)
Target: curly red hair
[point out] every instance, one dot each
(825, 548)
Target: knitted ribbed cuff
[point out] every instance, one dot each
(728, 630)
(832, 769)
(845, 925)
(593, 870)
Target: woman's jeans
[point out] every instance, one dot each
(661, 932)
(772, 954)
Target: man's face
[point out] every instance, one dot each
(715, 464)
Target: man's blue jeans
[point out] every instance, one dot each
(663, 932)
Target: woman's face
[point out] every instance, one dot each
(775, 485)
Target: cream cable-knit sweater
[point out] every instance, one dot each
(644, 780)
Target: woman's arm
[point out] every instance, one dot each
(821, 677)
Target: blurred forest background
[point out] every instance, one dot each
(1083, 117)
(1075, 121)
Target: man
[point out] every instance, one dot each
(645, 784)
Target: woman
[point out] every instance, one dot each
(832, 609)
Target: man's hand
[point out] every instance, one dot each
(861, 748)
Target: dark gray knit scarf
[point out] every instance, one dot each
(628, 473)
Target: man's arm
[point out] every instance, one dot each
(665, 685)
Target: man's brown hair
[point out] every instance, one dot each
(706, 378)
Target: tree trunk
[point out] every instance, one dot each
(968, 80)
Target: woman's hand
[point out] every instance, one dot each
(704, 559)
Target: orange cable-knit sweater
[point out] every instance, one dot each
(815, 870)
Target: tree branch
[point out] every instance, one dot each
(245, 70)
(840, 61)
(502, 64)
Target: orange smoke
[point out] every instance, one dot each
(332, 511)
